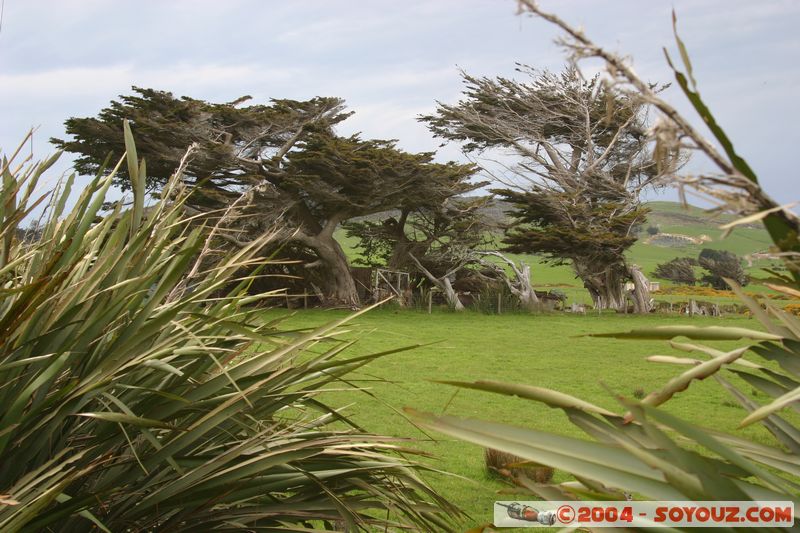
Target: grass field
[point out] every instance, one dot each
(547, 350)
(544, 350)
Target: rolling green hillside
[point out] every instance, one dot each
(669, 218)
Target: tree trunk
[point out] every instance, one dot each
(606, 286)
(340, 288)
(452, 296)
(443, 284)
(641, 291)
(605, 297)
(523, 290)
(520, 286)
(399, 257)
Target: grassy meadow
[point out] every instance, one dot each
(547, 350)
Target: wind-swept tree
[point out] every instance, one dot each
(721, 264)
(678, 269)
(436, 235)
(440, 243)
(273, 163)
(332, 179)
(582, 160)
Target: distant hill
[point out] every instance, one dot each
(674, 213)
(673, 218)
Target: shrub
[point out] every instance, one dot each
(142, 394)
(652, 230)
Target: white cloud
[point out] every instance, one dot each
(65, 82)
(332, 31)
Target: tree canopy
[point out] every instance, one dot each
(281, 164)
(721, 264)
(678, 269)
(346, 176)
(581, 161)
(236, 143)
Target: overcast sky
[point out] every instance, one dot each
(390, 60)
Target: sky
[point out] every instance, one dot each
(390, 60)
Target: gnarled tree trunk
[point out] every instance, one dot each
(520, 285)
(402, 245)
(453, 301)
(443, 284)
(522, 288)
(605, 283)
(340, 288)
(642, 303)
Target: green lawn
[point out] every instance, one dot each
(543, 350)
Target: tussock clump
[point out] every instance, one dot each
(509, 465)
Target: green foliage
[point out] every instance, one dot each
(679, 270)
(442, 237)
(233, 140)
(538, 227)
(374, 241)
(281, 164)
(720, 265)
(350, 177)
(672, 218)
(141, 394)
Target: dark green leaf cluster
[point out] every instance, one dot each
(721, 264)
(439, 237)
(234, 141)
(375, 240)
(348, 176)
(679, 270)
(591, 231)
